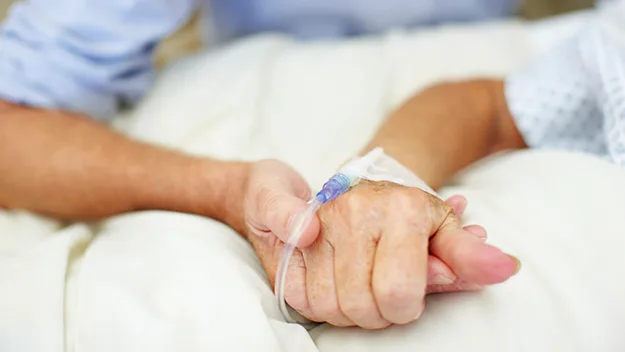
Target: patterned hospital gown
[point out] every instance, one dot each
(573, 97)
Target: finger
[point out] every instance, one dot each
(400, 267)
(458, 203)
(477, 230)
(282, 212)
(469, 257)
(321, 288)
(442, 279)
(458, 286)
(439, 273)
(354, 259)
(295, 293)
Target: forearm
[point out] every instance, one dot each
(71, 167)
(447, 127)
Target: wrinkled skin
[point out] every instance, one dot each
(373, 253)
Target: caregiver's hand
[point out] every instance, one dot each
(366, 262)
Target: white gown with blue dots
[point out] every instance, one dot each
(573, 97)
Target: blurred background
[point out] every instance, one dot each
(186, 40)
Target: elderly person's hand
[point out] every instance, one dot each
(373, 253)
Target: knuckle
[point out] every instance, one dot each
(364, 313)
(438, 205)
(404, 199)
(341, 322)
(327, 309)
(265, 198)
(401, 304)
(358, 309)
(295, 284)
(397, 295)
(295, 297)
(383, 324)
(267, 201)
(355, 201)
(413, 205)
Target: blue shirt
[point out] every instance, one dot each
(90, 55)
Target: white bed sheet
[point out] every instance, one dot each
(159, 281)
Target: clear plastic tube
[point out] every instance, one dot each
(337, 184)
(298, 225)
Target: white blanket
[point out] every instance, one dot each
(160, 281)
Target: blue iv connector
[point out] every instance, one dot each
(335, 186)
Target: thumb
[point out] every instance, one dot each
(469, 257)
(283, 211)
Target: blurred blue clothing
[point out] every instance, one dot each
(334, 18)
(91, 55)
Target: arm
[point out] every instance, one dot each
(72, 167)
(447, 127)
(554, 102)
(372, 253)
(86, 56)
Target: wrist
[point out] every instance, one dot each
(218, 191)
(200, 186)
(227, 203)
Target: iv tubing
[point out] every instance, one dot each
(338, 184)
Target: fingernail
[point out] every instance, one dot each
(442, 280)
(481, 235)
(422, 308)
(465, 204)
(461, 208)
(518, 263)
(419, 314)
(478, 231)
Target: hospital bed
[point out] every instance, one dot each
(159, 281)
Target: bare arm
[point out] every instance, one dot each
(447, 127)
(71, 167)
(68, 166)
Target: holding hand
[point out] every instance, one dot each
(372, 254)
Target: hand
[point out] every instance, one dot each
(370, 266)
